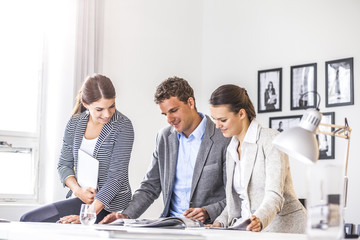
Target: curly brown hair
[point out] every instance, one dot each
(174, 87)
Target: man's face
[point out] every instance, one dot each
(180, 115)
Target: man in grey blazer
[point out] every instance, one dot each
(188, 164)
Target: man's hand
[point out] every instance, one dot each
(74, 219)
(255, 224)
(197, 213)
(112, 217)
(86, 194)
(215, 224)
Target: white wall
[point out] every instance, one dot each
(214, 42)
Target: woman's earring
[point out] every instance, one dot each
(87, 111)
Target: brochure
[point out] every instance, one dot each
(168, 222)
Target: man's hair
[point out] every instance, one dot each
(173, 87)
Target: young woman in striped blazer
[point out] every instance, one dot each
(98, 129)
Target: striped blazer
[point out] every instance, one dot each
(112, 150)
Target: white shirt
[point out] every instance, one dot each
(238, 179)
(88, 146)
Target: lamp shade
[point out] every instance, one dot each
(300, 142)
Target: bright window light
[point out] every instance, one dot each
(21, 59)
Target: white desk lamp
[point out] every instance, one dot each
(300, 143)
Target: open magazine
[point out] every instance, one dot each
(241, 226)
(168, 222)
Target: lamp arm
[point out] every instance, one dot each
(342, 132)
(346, 179)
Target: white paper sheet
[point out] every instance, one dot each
(87, 170)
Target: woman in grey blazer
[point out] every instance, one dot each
(103, 133)
(259, 184)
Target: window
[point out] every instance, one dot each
(21, 48)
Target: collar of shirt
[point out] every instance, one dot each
(199, 131)
(250, 137)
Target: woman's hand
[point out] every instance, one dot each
(215, 224)
(86, 195)
(255, 224)
(73, 219)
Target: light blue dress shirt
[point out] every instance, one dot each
(187, 154)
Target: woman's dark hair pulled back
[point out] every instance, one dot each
(235, 97)
(93, 89)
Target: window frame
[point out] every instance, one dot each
(31, 143)
(29, 140)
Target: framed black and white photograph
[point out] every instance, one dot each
(326, 142)
(303, 80)
(339, 83)
(283, 123)
(269, 90)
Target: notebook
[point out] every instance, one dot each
(87, 170)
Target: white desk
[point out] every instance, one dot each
(52, 231)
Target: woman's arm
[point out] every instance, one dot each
(117, 176)
(98, 206)
(275, 171)
(66, 160)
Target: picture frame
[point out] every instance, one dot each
(284, 122)
(326, 143)
(269, 90)
(339, 82)
(303, 80)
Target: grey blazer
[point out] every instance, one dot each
(269, 186)
(208, 183)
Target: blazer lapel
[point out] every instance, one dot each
(251, 153)
(172, 160)
(105, 131)
(202, 156)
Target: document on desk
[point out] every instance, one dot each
(87, 170)
(168, 222)
(241, 226)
